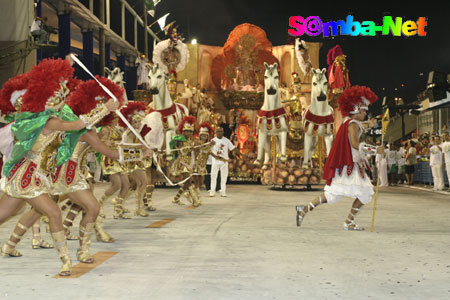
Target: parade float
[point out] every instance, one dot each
(285, 130)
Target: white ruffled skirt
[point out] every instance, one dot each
(355, 185)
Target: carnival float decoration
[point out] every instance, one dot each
(272, 119)
(171, 113)
(318, 118)
(226, 87)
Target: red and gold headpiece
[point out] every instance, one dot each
(47, 87)
(133, 112)
(187, 123)
(11, 94)
(205, 128)
(89, 94)
(354, 99)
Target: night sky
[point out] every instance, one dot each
(378, 62)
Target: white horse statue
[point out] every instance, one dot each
(116, 76)
(272, 118)
(171, 113)
(318, 118)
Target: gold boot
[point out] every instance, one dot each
(101, 234)
(37, 242)
(69, 235)
(61, 246)
(176, 199)
(188, 196)
(195, 200)
(126, 210)
(102, 201)
(68, 223)
(118, 209)
(148, 198)
(140, 211)
(9, 248)
(83, 254)
(47, 223)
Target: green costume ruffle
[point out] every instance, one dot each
(27, 128)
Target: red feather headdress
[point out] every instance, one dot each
(187, 122)
(353, 98)
(73, 83)
(88, 94)
(129, 110)
(44, 81)
(205, 127)
(14, 84)
(333, 53)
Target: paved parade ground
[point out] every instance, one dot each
(247, 246)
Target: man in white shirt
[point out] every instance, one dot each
(391, 154)
(436, 164)
(401, 160)
(220, 159)
(446, 150)
(38, 31)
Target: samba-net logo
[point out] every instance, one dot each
(314, 26)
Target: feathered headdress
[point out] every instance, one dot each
(354, 99)
(89, 94)
(187, 123)
(205, 128)
(331, 56)
(73, 83)
(45, 81)
(131, 109)
(333, 53)
(12, 90)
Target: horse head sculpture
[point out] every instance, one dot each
(320, 87)
(271, 79)
(157, 79)
(115, 75)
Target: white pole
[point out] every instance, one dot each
(123, 20)
(108, 13)
(135, 33)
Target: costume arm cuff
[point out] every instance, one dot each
(94, 116)
(129, 153)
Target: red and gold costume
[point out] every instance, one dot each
(337, 73)
(35, 156)
(184, 164)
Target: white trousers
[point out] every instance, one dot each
(223, 176)
(438, 178)
(382, 173)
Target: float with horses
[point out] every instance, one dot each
(272, 102)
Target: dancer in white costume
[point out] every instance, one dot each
(344, 169)
(381, 162)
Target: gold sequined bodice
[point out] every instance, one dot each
(80, 152)
(203, 154)
(115, 133)
(186, 150)
(45, 150)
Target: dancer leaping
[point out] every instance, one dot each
(345, 167)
